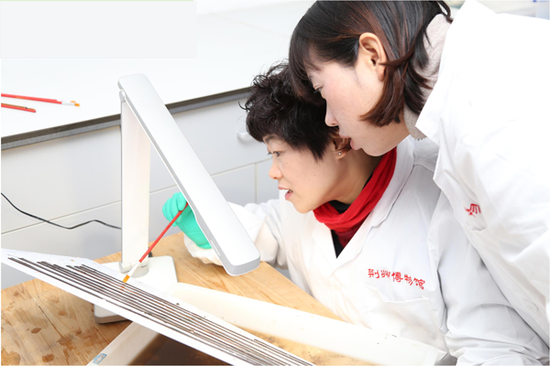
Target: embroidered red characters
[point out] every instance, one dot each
(473, 210)
(374, 274)
(396, 277)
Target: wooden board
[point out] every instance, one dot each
(43, 325)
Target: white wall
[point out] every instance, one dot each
(532, 8)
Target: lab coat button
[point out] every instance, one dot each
(529, 306)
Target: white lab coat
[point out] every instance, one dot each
(409, 270)
(489, 113)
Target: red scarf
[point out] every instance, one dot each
(346, 224)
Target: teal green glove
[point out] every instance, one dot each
(186, 222)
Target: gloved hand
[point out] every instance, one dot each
(186, 222)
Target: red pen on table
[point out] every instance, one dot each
(153, 245)
(18, 107)
(72, 102)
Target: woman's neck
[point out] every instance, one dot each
(358, 169)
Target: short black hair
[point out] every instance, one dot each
(273, 109)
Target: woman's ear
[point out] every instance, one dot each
(341, 146)
(371, 53)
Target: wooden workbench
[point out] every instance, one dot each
(42, 324)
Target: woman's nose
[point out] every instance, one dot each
(274, 172)
(329, 118)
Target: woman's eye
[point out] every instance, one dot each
(276, 153)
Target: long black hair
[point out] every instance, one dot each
(330, 31)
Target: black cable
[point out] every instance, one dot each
(53, 223)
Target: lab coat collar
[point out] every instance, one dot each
(461, 34)
(322, 236)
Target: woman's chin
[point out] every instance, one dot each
(301, 208)
(373, 152)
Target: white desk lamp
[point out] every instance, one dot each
(145, 119)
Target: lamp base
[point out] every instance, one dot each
(161, 275)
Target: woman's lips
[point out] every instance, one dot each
(288, 194)
(351, 142)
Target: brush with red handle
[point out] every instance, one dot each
(152, 246)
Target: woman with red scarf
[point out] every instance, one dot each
(373, 239)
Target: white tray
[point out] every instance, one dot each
(298, 326)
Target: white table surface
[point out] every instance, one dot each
(232, 47)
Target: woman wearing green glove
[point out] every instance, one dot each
(369, 237)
